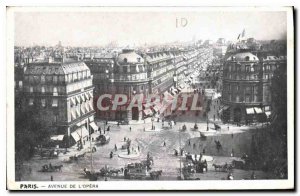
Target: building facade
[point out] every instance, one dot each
(246, 92)
(143, 73)
(61, 94)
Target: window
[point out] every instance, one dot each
(55, 79)
(30, 102)
(125, 60)
(267, 76)
(43, 101)
(54, 103)
(43, 79)
(43, 89)
(31, 89)
(247, 68)
(20, 84)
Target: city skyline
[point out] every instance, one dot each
(130, 29)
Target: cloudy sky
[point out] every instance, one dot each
(136, 28)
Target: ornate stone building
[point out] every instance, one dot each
(61, 93)
(246, 86)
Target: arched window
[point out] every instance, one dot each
(247, 58)
(125, 60)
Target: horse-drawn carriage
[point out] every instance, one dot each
(103, 172)
(141, 170)
(136, 171)
(50, 168)
(223, 167)
(102, 139)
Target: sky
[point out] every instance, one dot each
(139, 28)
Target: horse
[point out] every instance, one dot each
(57, 167)
(225, 167)
(114, 171)
(155, 174)
(218, 145)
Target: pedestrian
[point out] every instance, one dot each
(138, 148)
(164, 143)
(128, 150)
(232, 135)
(111, 155)
(51, 178)
(130, 129)
(108, 128)
(194, 146)
(124, 139)
(189, 142)
(116, 148)
(203, 151)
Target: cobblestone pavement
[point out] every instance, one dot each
(237, 138)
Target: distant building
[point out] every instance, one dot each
(61, 93)
(221, 41)
(159, 72)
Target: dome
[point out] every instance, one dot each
(129, 56)
(244, 56)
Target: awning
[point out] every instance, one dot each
(90, 94)
(91, 105)
(87, 109)
(268, 114)
(78, 111)
(147, 112)
(223, 109)
(168, 96)
(147, 105)
(249, 111)
(86, 96)
(78, 99)
(73, 114)
(82, 108)
(267, 108)
(84, 132)
(55, 103)
(82, 97)
(57, 137)
(75, 136)
(94, 126)
(258, 110)
(73, 102)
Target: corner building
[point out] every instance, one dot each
(246, 95)
(61, 93)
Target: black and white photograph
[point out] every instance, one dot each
(150, 98)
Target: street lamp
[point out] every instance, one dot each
(152, 120)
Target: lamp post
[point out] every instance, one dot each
(152, 120)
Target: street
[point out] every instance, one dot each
(237, 138)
